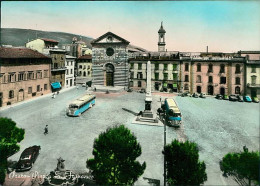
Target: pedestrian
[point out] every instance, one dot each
(46, 130)
(58, 92)
(53, 96)
(160, 98)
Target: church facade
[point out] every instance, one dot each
(110, 60)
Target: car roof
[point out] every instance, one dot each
(28, 150)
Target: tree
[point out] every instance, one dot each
(242, 166)
(10, 135)
(115, 152)
(182, 164)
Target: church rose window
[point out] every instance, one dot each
(110, 51)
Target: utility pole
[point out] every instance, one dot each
(164, 167)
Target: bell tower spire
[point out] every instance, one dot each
(161, 41)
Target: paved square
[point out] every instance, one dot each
(217, 126)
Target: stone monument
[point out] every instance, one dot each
(147, 115)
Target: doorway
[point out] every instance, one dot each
(222, 91)
(210, 90)
(199, 89)
(20, 95)
(253, 93)
(1, 99)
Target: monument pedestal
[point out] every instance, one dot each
(147, 116)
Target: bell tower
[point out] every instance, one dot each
(161, 41)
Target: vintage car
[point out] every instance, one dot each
(27, 158)
(142, 90)
(225, 97)
(185, 94)
(240, 98)
(219, 96)
(255, 100)
(202, 95)
(247, 99)
(232, 97)
(195, 95)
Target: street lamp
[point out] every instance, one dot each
(162, 113)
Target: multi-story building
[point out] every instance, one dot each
(84, 66)
(58, 56)
(110, 60)
(24, 73)
(165, 69)
(213, 73)
(42, 45)
(58, 68)
(76, 48)
(252, 82)
(69, 75)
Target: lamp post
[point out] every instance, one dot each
(163, 114)
(164, 182)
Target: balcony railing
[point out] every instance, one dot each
(253, 85)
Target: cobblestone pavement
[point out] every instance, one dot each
(217, 126)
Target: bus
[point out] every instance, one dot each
(80, 105)
(173, 113)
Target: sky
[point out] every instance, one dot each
(191, 26)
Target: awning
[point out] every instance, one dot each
(56, 85)
(165, 85)
(174, 85)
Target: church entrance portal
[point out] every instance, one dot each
(109, 75)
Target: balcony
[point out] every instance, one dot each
(54, 69)
(253, 85)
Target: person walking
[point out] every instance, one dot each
(46, 130)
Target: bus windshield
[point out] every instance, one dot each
(172, 114)
(73, 106)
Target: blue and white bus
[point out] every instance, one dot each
(80, 105)
(173, 113)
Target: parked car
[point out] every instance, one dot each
(195, 95)
(185, 94)
(225, 97)
(240, 98)
(129, 90)
(142, 90)
(219, 96)
(255, 99)
(202, 95)
(232, 97)
(28, 158)
(247, 99)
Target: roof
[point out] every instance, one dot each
(135, 48)
(249, 52)
(21, 53)
(85, 57)
(161, 30)
(83, 99)
(109, 33)
(49, 40)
